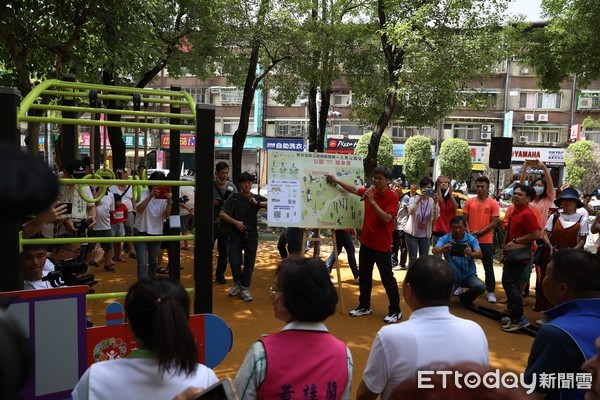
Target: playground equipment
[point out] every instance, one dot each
(69, 99)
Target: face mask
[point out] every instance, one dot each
(538, 190)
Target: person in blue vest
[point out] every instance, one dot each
(303, 360)
(561, 345)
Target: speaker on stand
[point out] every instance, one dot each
(500, 157)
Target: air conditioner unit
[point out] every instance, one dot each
(529, 117)
(585, 102)
(524, 71)
(215, 89)
(516, 58)
(543, 118)
(522, 139)
(486, 128)
(486, 135)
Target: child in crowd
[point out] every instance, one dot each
(117, 225)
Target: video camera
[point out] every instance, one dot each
(81, 225)
(184, 199)
(65, 274)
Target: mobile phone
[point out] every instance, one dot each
(222, 390)
(458, 249)
(429, 192)
(69, 207)
(161, 191)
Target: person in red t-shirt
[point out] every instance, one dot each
(381, 204)
(117, 225)
(523, 230)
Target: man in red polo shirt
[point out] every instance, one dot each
(381, 204)
(523, 230)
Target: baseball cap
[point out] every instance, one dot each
(75, 168)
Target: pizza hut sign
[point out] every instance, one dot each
(347, 144)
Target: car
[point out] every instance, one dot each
(507, 192)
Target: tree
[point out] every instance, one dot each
(583, 165)
(455, 159)
(385, 154)
(567, 45)
(417, 156)
(426, 55)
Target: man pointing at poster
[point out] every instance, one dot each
(381, 204)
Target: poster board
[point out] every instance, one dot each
(299, 195)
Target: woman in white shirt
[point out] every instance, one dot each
(165, 363)
(152, 209)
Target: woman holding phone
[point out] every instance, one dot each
(423, 209)
(152, 209)
(165, 362)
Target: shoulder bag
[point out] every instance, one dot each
(223, 228)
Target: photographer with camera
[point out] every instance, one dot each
(461, 249)
(66, 267)
(80, 215)
(423, 209)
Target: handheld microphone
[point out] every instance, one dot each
(362, 198)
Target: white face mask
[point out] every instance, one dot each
(538, 190)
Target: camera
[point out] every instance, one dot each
(429, 192)
(65, 274)
(184, 199)
(458, 249)
(81, 225)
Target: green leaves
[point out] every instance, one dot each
(417, 156)
(455, 159)
(583, 165)
(385, 153)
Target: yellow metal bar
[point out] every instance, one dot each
(113, 97)
(56, 107)
(119, 295)
(133, 182)
(117, 124)
(68, 240)
(181, 97)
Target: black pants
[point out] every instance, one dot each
(399, 243)
(222, 252)
(367, 257)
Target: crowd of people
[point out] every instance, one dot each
(399, 232)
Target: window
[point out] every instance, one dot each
(592, 134)
(231, 96)
(197, 93)
(229, 126)
(589, 101)
(404, 132)
(480, 100)
(348, 129)
(539, 134)
(467, 132)
(540, 100)
(289, 128)
(342, 100)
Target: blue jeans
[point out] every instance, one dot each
(367, 257)
(344, 240)
(236, 246)
(414, 243)
(147, 256)
(434, 239)
(488, 266)
(511, 276)
(475, 285)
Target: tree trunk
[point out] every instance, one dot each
(115, 135)
(312, 119)
(323, 116)
(239, 137)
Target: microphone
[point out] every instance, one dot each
(362, 198)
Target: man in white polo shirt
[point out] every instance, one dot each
(431, 334)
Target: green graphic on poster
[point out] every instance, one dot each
(299, 195)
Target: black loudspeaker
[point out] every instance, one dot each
(501, 152)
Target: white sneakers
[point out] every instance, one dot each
(458, 291)
(491, 298)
